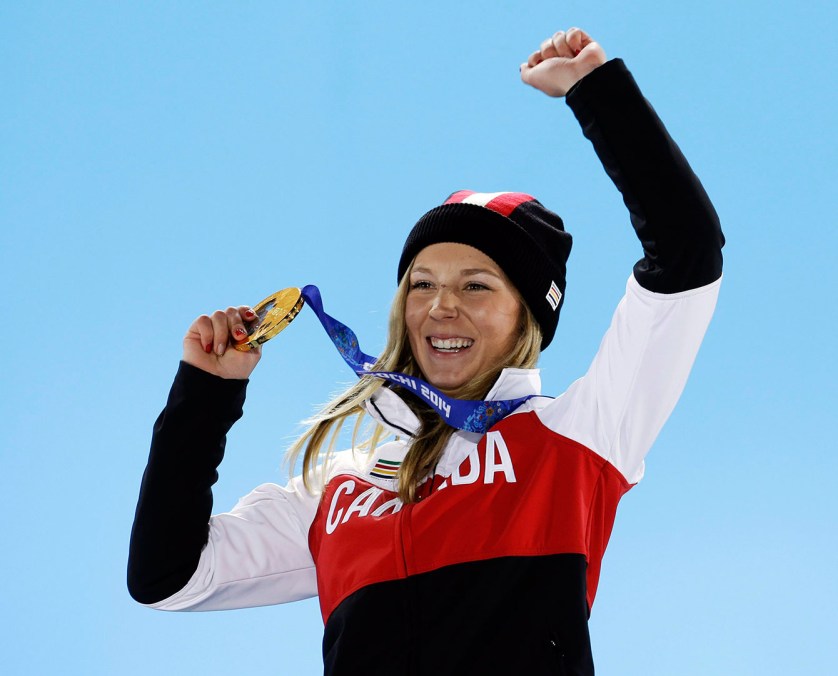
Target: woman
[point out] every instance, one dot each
(447, 550)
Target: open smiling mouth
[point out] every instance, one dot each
(450, 344)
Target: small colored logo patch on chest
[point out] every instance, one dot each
(385, 469)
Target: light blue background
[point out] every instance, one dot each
(159, 160)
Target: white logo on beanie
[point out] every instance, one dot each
(554, 296)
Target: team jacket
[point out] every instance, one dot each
(495, 568)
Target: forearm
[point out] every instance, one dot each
(175, 503)
(670, 211)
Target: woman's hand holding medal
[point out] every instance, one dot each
(208, 344)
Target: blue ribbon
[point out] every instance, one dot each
(471, 415)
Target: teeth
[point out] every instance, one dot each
(451, 343)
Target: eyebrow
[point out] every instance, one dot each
(466, 272)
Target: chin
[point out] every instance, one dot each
(449, 386)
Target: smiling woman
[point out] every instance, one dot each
(437, 550)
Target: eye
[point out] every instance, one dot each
(421, 284)
(476, 286)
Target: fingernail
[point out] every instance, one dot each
(207, 348)
(219, 350)
(250, 313)
(239, 332)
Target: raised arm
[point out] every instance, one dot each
(618, 408)
(670, 211)
(181, 558)
(171, 524)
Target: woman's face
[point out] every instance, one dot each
(462, 314)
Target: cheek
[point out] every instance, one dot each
(412, 320)
(505, 323)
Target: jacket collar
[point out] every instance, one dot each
(388, 408)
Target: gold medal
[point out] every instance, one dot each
(272, 315)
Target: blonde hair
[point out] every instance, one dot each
(433, 434)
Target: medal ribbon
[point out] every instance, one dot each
(470, 415)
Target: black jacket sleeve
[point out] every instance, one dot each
(670, 211)
(171, 524)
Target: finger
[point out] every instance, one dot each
(534, 60)
(220, 331)
(576, 39)
(560, 45)
(247, 313)
(548, 48)
(524, 68)
(246, 316)
(235, 325)
(527, 75)
(201, 330)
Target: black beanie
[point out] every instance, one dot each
(526, 240)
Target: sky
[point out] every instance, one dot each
(161, 160)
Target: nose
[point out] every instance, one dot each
(444, 305)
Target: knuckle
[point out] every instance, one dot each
(201, 324)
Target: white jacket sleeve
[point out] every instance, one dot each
(620, 405)
(257, 554)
